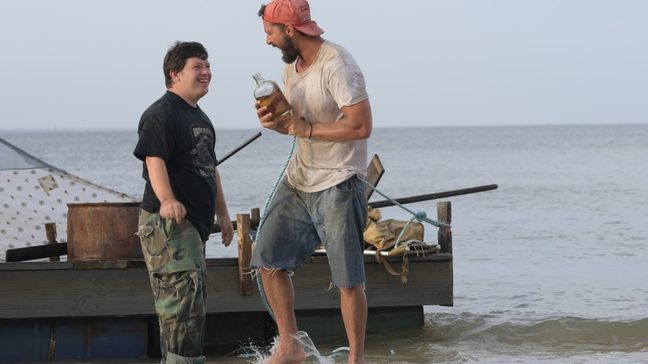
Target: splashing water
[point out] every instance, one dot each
(260, 356)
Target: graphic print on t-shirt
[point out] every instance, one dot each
(203, 139)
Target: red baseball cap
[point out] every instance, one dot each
(292, 12)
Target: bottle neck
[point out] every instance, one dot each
(258, 78)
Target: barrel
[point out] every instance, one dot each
(103, 231)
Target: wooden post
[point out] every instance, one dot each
(244, 253)
(255, 217)
(444, 215)
(50, 231)
(375, 171)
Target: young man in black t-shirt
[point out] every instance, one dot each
(182, 193)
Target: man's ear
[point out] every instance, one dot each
(290, 30)
(174, 76)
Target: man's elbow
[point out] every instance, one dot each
(364, 133)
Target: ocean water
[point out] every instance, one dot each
(550, 267)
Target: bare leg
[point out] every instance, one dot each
(279, 292)
(353, 303)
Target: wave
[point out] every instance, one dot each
(557, 334)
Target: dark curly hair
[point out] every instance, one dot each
(177, 55)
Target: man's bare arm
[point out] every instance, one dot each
(170, 208)
(356, 123)
(222, 215)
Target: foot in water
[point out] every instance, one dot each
(288, 351)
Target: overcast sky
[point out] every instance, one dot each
(70, 64)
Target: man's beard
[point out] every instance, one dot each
(289, 52)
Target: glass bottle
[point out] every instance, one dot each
(269, 95)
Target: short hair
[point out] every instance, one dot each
(177, 55)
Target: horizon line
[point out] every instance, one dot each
(89, 129)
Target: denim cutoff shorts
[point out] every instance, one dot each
(298, 222)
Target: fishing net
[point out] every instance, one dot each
(33, 193)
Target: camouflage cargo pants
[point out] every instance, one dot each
(175, 258)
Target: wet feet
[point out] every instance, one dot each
(288, 354)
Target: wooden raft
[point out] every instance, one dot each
(57, 289)
(122, 288)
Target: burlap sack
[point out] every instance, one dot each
(383, 234)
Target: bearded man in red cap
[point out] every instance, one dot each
(321, 199)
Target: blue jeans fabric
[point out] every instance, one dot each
(298, 222)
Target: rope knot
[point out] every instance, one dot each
(420, 215)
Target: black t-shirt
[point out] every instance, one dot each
(183, 136)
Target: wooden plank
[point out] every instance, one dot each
(429, 283)
(35, 252)
(40, 266)
(100, 264)
(65, 293)
(444, 215)
(244, 254)
(255, 216)
(375, 172)
(68, 292)
(50, 231)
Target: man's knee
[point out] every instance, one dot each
(353, 291)
(179, 296)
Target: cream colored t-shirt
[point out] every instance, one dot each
(317, 94)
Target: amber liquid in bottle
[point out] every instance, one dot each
(269, 95)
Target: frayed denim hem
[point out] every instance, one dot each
(255, 271)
